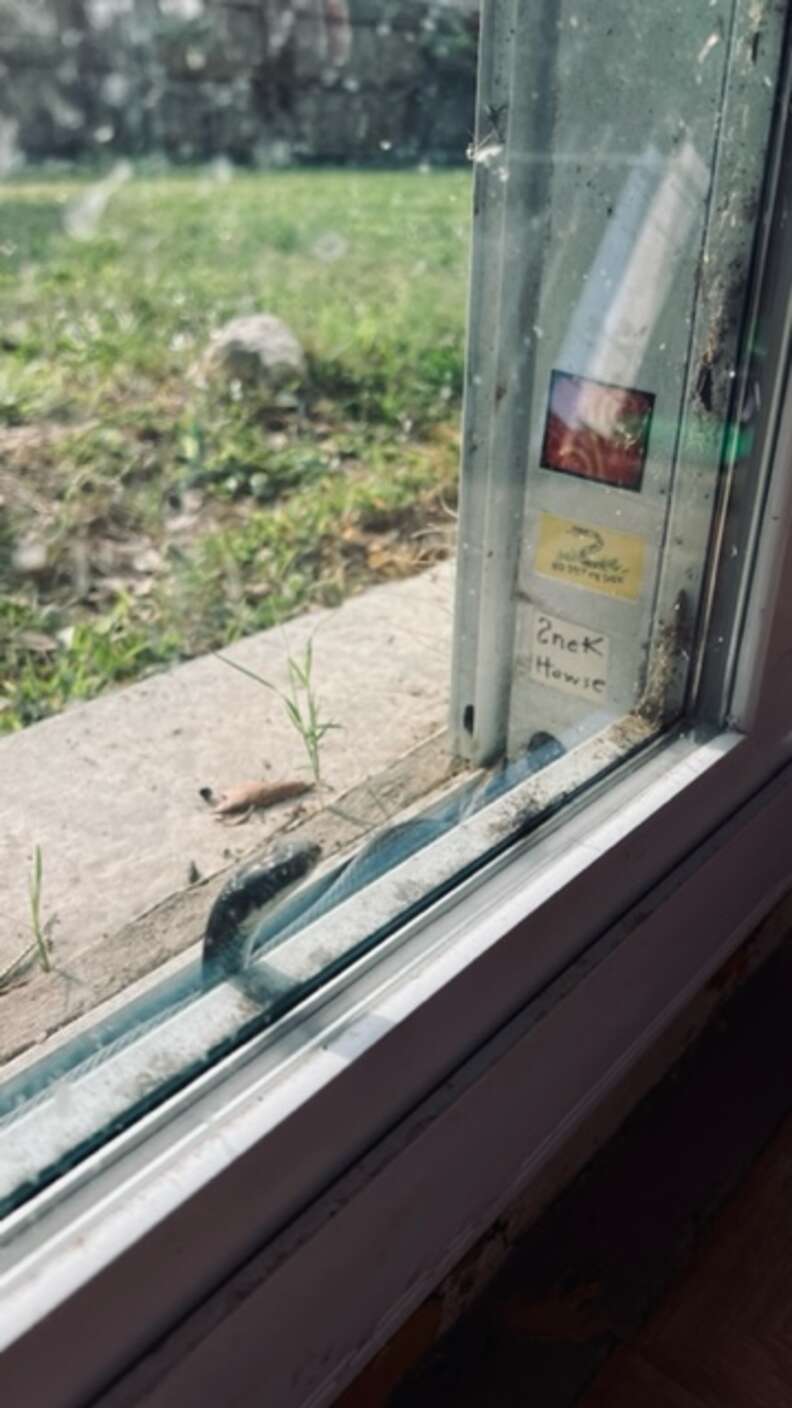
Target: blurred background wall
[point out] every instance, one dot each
(256, 81)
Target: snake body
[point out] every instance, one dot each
(247, 895)
(266, 901)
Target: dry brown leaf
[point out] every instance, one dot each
(247, 795)
(36, 642)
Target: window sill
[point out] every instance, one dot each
(176, 1214)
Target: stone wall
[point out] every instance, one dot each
(252, 80)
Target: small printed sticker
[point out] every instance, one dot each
(597, 431)
(595, 558)
(571, 658)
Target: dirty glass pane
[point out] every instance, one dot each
(246, 618)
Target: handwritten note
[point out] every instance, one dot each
(571, 658)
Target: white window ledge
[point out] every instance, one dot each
(173, 1210)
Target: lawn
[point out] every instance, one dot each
(144, 519)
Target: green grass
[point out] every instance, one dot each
(172, 258)
(105, 440)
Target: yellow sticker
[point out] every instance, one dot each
(595, 558)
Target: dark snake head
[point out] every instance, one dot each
(252, 892)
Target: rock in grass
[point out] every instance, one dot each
(30, 557)
(261, 353)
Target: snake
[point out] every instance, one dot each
(252, 890)
(273, 898)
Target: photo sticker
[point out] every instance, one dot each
(597, 431)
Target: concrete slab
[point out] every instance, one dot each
(109, 789)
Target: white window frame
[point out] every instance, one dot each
(168, 1276)
(262, 1243)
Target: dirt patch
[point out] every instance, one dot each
(124, 548)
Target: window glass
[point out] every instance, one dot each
(257, 650)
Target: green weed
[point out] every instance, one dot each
(40, 936)
(41, 947)
(301, 704)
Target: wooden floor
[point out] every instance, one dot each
(722, 1337)
(662, 1276)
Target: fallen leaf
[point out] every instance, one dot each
(37, 642)
(148, 560)
(246, 795)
